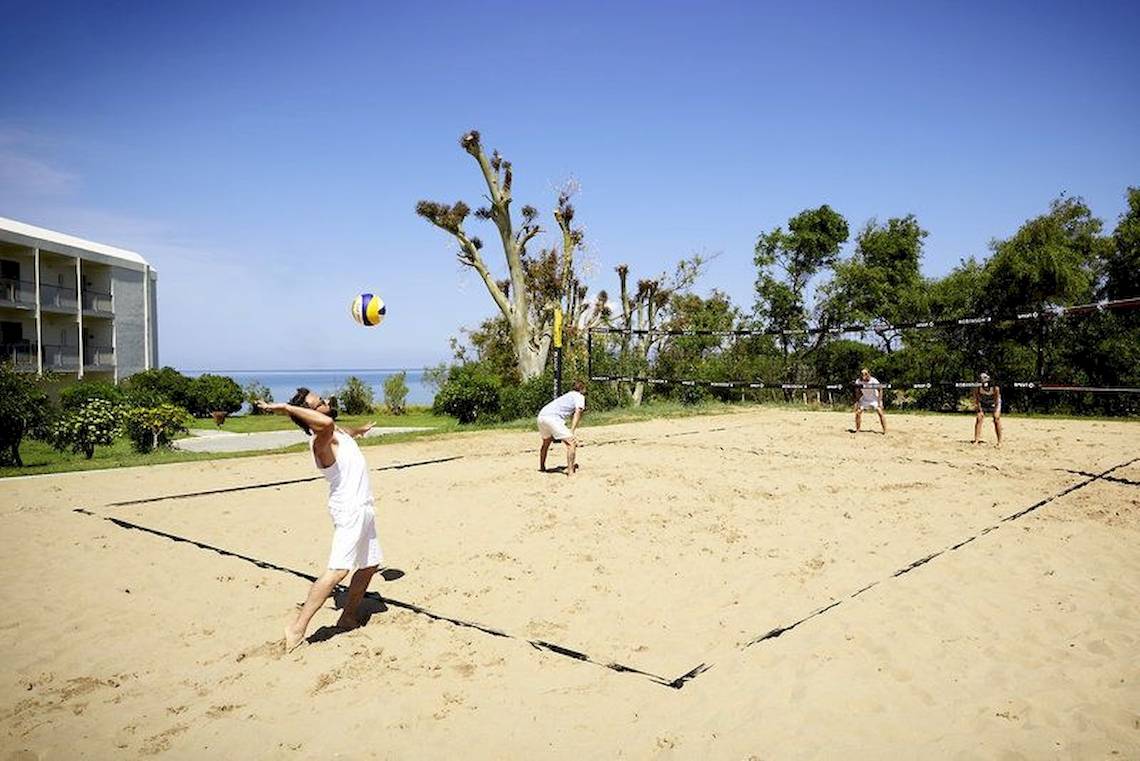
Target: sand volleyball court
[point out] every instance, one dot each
(760, 584)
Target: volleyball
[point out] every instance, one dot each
(368, 309)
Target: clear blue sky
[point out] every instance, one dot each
(266, 157)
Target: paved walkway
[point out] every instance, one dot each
(224, 441)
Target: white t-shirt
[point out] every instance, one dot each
(870, 395)
(564, 406)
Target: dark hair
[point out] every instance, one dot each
(298, 400)
(579, 386)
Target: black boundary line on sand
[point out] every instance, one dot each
(1113, 479)
(308, 479)
(537, 644)
(1091, 478)
(562, 650)
(271, 484)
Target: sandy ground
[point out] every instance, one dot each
(682, 552)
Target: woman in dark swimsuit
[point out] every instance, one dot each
(987, 398)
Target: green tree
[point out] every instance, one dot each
(24, 410)
(881, 283)
(152, 387)
(149, 428)
(1123, 271)
(786, 262)
(698, 357)
(95, 423)
(213, 393)
(355, 396)
(396, 392)
(1054, 259)
(253, 392)
(76, 395)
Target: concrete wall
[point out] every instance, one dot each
(130, 356)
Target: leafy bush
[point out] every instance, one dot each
(153, 387)
(95, 423)
(151, 427)
(254, 391)
(470, 393)
(24, 410)
(527, 398)
(396, 392)
(355, 396)
(75, 396)
(694, 394)
(601, 395)
(210, 393)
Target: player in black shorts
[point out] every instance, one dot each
(987, 398)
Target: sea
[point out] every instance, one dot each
(283, 384)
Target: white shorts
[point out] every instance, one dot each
(868, 405)
(553, 428)
(354, 543)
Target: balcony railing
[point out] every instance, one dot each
(98, 356)
(22, 355)
(58, 357)
(58, 297)
(97, 301)
(19, 293)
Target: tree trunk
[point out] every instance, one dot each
(638, 392)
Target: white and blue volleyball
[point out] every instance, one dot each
(368, 309)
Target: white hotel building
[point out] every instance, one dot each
(74, 308)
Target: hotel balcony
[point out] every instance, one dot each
(59, 358)
(98, 304)
(17, 294)
(55, 298)
(22, 356)
(98, 358)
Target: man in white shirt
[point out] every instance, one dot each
(868, 396)
(552, 424)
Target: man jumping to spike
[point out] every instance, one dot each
(354, 545)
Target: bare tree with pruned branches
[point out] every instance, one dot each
(535, 285)
(645, 309)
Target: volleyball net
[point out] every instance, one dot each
(940, 358)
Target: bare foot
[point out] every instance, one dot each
(293, 639)
(347, 622)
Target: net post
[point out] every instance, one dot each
(558, 351)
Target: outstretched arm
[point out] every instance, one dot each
(318, 422)
(575, 420)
